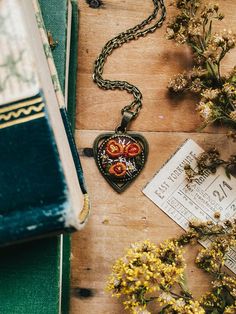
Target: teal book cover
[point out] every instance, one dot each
(37, 273)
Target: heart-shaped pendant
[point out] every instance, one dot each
(120, 157)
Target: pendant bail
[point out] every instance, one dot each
(126, 118)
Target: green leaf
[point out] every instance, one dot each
(164, 308)
(209, 32)
(228, 299)
(233, 79)
(198, 50)
(210, 69)
(229, 121)
(183, 283)
(227, 172)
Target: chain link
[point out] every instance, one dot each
(116, 42)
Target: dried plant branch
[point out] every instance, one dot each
(210, 160)
(217, 93)
(149, 273)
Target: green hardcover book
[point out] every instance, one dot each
(61, 23)
(34, 277)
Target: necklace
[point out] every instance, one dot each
(121, 155)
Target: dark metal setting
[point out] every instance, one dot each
(130, 151)
(126, 119)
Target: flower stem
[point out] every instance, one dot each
(180, 296)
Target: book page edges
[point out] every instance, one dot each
(48, 55)
(84, 213)
(77, 201)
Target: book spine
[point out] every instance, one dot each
(73, 150)
(73, 67)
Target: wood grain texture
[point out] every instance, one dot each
(148, 63)
(117, 220)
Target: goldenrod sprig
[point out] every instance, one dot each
(149, 273)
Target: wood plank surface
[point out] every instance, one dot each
(117, 220)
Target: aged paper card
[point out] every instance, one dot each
(199, 200)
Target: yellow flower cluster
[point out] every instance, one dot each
(145, 269)
(180, 307)
(210, 260)
(227, 282)
(230, 309)
(210, 301)
(140, 310)
(172, 263)
(149, 273)
(213, 258)
(207, 110)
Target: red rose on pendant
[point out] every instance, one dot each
(132, 150)
(114, 149)
(118, 169)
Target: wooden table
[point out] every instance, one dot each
(117, 220)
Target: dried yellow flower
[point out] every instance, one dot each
(149, 273)
(178, 83)
(210, 94)
(193, 25)
(206, 110)
(233, 115)
(230, 309)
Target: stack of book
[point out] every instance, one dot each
(42, 187)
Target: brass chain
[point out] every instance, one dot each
(131, 34)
